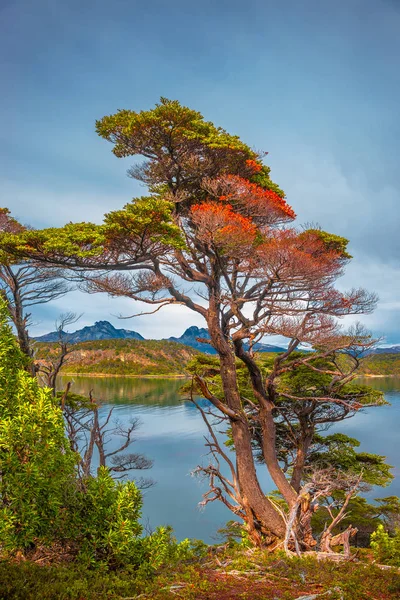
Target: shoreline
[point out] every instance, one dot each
(131, 376)
(183, 376)
(377, 376)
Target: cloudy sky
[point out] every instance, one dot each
(315, 83)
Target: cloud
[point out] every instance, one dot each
(48, 206)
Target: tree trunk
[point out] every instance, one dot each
(24, 342)
(267, 426)
(301, 455)
(261, 514)
(271, 459)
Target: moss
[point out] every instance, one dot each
(234, 574)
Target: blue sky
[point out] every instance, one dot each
(314, 83)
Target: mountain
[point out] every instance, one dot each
(101, 330)
(189, 338)
(387, 350)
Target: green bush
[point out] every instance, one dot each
(102, 520)
(42, 500)
(386, 548)
(36, 463)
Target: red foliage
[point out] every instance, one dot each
(220, 224)
(253, 165)
(251, 200)
(297, 257)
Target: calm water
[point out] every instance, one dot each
(172, 434)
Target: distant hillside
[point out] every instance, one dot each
(381, 364)
(122, 357)
(387, 350)
(189, 338)
(163, 357)
(101, 330)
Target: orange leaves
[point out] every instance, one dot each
(220, 224)
(253, 165)
(295, 256)
(264, 206)
(259, 200)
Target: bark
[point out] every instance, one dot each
(301, 456)
(260, 513)
(268, 427)
(23, 337)
(341, 539)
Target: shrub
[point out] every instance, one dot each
(42, 500)
(102, 520)
(36, 463)
(386, 548)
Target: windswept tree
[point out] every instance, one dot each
(25, 283)
(215, 235)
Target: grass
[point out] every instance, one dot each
(230, 574)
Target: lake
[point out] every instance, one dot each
(172, 433)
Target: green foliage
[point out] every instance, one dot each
(386, 548)
(149, 131)
(331, 241)
(141, 225)
(338, 451)
(161, 548)
(200, 579)
(36, 464)
(148, 215)
(80, 240)
(41, 500)
(102, 520)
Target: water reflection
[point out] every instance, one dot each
(172, 434)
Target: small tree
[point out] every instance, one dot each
(90, 435)
(48, 369)
(215, 236)
(85, 430)
(24, 284)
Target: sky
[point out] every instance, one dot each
(315, 83)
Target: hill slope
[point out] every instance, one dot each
(122, 357)
(381, 364)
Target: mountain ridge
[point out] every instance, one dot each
(190, 335)
(101, 330)
(104, 330)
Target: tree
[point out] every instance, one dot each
(24, 284)
(84, 428)
(325, 470)
(87, 432)
(49, 369)
(214, 235)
